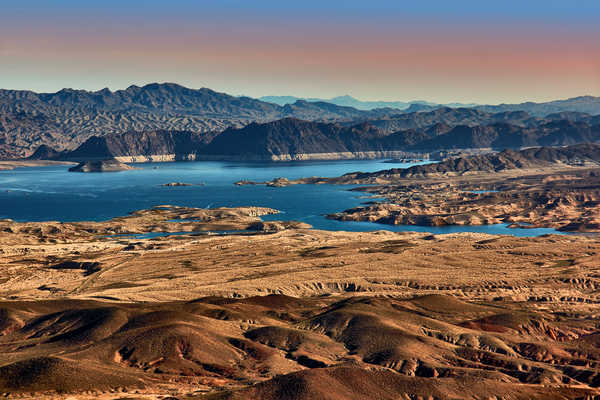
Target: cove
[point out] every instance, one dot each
(54, 194)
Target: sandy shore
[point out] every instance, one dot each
(12, 164)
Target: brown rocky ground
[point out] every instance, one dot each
(567, 199)
(160, 219)
(293, 313)
(552, 187)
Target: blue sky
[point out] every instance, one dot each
(483, 51)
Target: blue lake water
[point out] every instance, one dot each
(53, 193)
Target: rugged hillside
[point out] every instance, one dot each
(67, 118)
(422, 119)
(507, 159)
(166, 98)
(359, 348)
(503, 135)
(139, 146)
(324, 111)
(585, 104)
(95, 314)
(45, 153)
(288, 138)
(293, 138)
(21, 134)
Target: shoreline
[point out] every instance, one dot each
(335, 156)
(439, 201)
(100, 306)
(452, 199)
(9, 165)
(387, 157)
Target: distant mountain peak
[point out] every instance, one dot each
(350, 101)
(345, 97)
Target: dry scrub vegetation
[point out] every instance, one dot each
(294, 313)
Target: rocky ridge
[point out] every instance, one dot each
(294, 139)
(66, 119)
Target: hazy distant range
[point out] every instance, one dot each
(349, 101)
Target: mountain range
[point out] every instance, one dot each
(294, 139)
(65, 120)
(349, 101)
(585, 104)
(493, 162)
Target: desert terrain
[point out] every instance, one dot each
(312, 200)
(280, 311)
(542, 187)
(174, 302)
(566, 199)
(12, 164)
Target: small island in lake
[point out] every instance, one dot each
(175, 184)
(110, 165)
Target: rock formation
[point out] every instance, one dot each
(109, 165)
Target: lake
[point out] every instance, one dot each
(53, 193)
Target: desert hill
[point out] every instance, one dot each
(335, 348)
(90, 313)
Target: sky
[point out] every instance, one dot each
(436, 50)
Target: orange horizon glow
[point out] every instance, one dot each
(419, 60)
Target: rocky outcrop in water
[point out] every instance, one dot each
(176, 184)
(110, 165)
